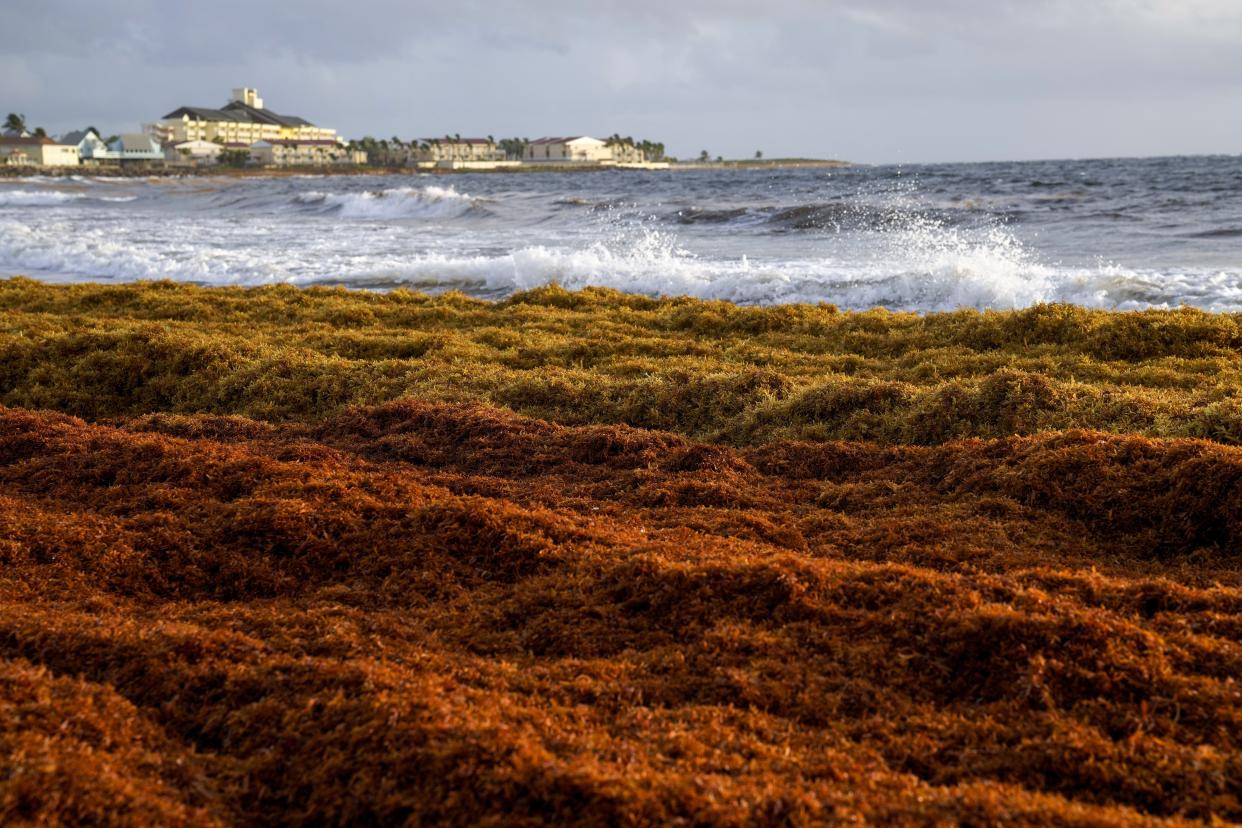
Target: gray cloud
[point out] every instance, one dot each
(882, 80)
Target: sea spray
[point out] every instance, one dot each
(981, 236)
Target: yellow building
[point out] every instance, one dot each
(241, 122)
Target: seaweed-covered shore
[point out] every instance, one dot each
(290, 556)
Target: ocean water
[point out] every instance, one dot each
(1133, 233)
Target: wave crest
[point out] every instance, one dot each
(37, 198)
(397, 202)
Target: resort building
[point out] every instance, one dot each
(192, 153)
(626, 153)
(37, 151)
(14, 157)
(581, 148)
(242, 121)
(135, 147)
(91, 148)
(291, 153)
(452, 148)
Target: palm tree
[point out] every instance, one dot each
(704, 155)
(15, 124)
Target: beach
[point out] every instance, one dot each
(347, 556)
(507, 415)
(720, 496)
(158, 171)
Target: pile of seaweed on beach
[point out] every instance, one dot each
(282, 555)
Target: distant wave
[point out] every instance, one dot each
(592, 206)
(36, 198)
(836, 217)
(698, 215)
(1219, 233)
(396, 203)
(51, 198)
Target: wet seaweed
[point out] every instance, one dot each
(707, 370)
(517, 622)
(281, 556)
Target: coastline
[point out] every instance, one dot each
(8, 172)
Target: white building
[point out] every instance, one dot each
(135, 146)
(579, 149)
(304, 153)
(91, 148)
(192, 153)
(38, 151)
(458, 149)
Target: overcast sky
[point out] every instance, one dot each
(865, 80)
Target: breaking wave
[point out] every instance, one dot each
(53, 198)
(395, 203)
(36, 198)
(925, 268)
(975, 236)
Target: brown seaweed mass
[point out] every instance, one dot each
(377, 605)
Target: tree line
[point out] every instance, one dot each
(396, 152)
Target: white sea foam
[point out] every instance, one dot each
(884, 248)
(395, 203)
(932, 273)
(52, 198)
(36, 198)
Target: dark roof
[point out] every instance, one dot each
(135, 141)
(199, 113)
(239, 112)
(264, 116)
(76, 136)
(29, 141)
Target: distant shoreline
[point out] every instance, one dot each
(286, 172)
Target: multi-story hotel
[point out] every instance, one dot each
(241, 122)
